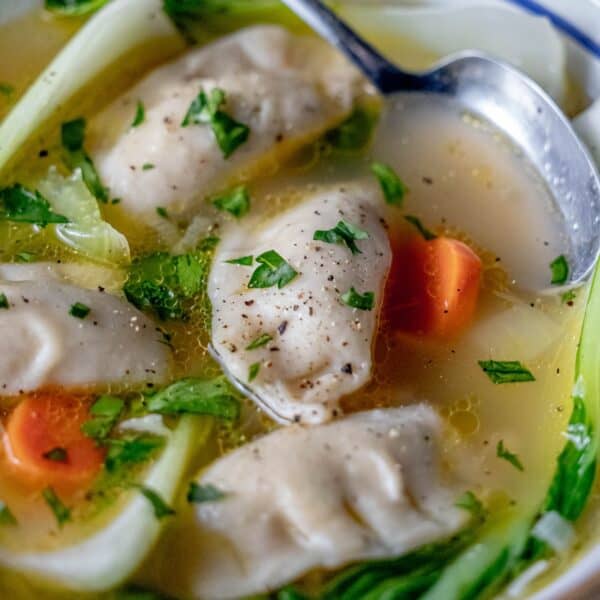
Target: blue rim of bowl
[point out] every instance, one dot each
(562, 24)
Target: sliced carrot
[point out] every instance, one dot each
(45, 444)
(433, 286)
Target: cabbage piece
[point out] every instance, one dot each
(108, 557)
(86, 232)
(119, 28)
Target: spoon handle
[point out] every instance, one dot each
(383, 74)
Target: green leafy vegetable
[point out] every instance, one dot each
(568, 297)
(6, 515)
(160, 507)
(273, 270)
(161, 211)
(105, 412)
(4, 301)
(206, 109)
(560, 270)
(261, 340)
(392, 186)
(25, 257)
(236, 201)
(21, 205)
(342, 233)
(428, 235)
(61, 512)
(129, 451)
(75, 157)
(74, 8)
(355, 132)
(360, 301)
(212, 397)
(140, 114)
(6, 89)
(471, 503)
(204, 493)
(507, 455)
(148, 167)
(57, 454)
(506, 371)
(79, 310)
(253, 371)
(244, 261)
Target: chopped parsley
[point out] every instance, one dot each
(506, 371)
(392, 186)
(160, 507)
(568, 297)
(428, 235)
(21, 205)
(79, 310)
(127, 451)
(161, 211)
(261, 340)
(4, 301)
(105, 414)
(6, 515)
(560, 270)
(25, 257)
(198, 493)
(273, 270)
(62, 514)
(75, 157)
(236, 201)
(6, 89)
(74, 8)
(57, 454)
(140, 114)
(471, 503)
(253, 371)
(342, 233)
(360, 301)
(504, 453)
(355, 132)
(212, 397)
(206, 109)
(148, 167)
(244, 261)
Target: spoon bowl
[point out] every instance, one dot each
(515, 105)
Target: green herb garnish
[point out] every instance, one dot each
(129, 451)
(273, 270)
(25, 257)
(471, 503)
(360, 301)
(74, 8)
(140, 114)
(392, 186)
(198, 493)
(253, 371)
(560, 270)
(244, 261)
(6, 515)
(148, 167)
(6, 89)
(161, 211)
(206, 109)
(355, 132)
(57, 454)
(504, 453)
(342, 233)
(428, 235)
(506, 371)
(212, 397)
(61, 512)
(261, 340)
(236, 201)
(160, 507)
(105, 414)
(4, 301)
(568, 297)
(20, 205)
(79, 310)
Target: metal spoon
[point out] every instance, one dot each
(509, 100)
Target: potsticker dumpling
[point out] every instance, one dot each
(287, 89)
(319, 347)
(368, 486)
(48, 345)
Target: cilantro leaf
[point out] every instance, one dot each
(355, 132)
(198, 493)
(244, 261)
(6, 515)
(79, 310)
(73, 134)
(61, 512)
(394, 189)
(74, 8)
(236, 201)
(568, 297)
(504, 453)
(20, 205)
(428, 235)
(506, 371)
(161, 211)
(560, 270)
(273, 270)
(471, 503)
(105, 414)
(4, 301)
(261, 340)
(128, 451)
(360, 301)
(253, 371)
(160, 507)
(342, 233)
(212, 397)
(206, 109)
(140, 114)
